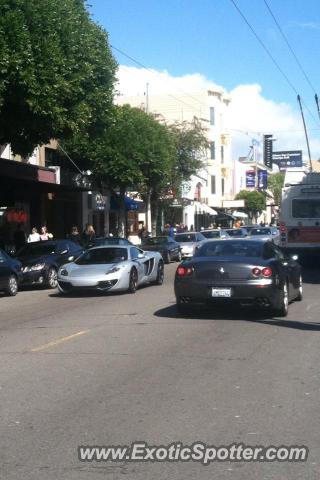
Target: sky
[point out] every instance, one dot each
(197, 44)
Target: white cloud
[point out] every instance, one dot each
(250, 113)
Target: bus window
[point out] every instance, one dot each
(302, 208)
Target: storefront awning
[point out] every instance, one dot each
(240, 215)
(130, 203)
(203, 207)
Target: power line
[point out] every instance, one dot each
(137, 62)
(289, 46)
(266, 49)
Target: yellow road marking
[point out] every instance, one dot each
(57, 342)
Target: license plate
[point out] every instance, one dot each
(221, 292)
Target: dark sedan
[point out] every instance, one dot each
(41, 260)
(105, 241)
(242, 271)
(10, 274)
(167, 246)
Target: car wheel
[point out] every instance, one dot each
(168, 257)
(300, 294)
(282, 311)
(182, 307)
(12, 286)
(133, 281)
(160, 274)
(52, 278)
(179, 258)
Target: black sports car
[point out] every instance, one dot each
(10, 274)
(242, 271)
(167, 246)
(41, 260)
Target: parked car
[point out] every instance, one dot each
(10, 274)
(271, 233)
(240, 271)
(237, 232)
(41, 260)
(110, 269)
(215, 233)
(167, 246)
(188, 242)
(103, 241)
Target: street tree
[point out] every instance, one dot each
(255, 202)
(275, 184)
(56, 72)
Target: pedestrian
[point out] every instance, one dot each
(88, 234)
(171, 231)
(74, 236)
(34, 236)
(19, 237)
(44, 234)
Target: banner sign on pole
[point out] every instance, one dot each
(250, 178)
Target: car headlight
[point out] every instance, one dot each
(34, 268)
(113, 270)
(64, 272)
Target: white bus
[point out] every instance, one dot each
(300, 212)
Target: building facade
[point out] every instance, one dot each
(214, 183)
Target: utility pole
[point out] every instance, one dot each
(305, 131)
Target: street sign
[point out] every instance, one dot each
(250, 178)
(287, 159)
(267, 150)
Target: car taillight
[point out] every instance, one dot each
(283, 227)
(267, 272)
(184, 271)
(256, 272)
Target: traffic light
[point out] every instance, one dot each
(267, 150)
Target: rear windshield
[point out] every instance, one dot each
(260, 231)
(212, 234)
(236, 232)
(103, 255)
(155, 241)
(303, 208)
(185, 237)
(230, 249)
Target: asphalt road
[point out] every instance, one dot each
(97, 370)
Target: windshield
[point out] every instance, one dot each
(41, 248)
(306, 208)
(260, 231)
(155, 241)
(185, 238)
(211, 234)
(230, 249)
(102, 256)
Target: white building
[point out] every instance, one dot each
(206, 191)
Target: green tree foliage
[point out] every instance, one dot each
(275, 184)
(56, 72)
(255, 202)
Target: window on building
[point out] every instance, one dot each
(211, 115)
(213, 184)
(222, 186)
(222, 154)
(212, 150)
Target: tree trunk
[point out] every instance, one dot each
(122, 213)
(107, 195)
(155, 215)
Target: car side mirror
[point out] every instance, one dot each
(141, 255)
